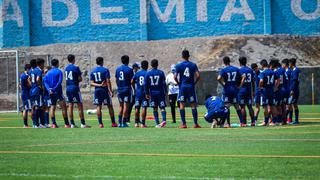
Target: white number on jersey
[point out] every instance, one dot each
(186, 72)
(248, 78)
(141, 80)
(270, 79)
(232, 76)
(33, 79)
(281, 79)
(154, 80)
(69, 75)
(121, 78)
(97, 77)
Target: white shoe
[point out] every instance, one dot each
(74, 126)
(214, 124)
(48, 125)
(158, 126)
(85, 126)
(36, 127)
(41, 126)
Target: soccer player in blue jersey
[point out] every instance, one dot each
(294, 88)
(46, 98)
(135, 68)
(73, 76)
(266, 85)
(277, 99)
(123, 76)
(216, 111)
(53, 84)
(25, 94)
(155, 87)
(138, 81)
(245, 91)
(187, 75)
(256, 91)
(286, 89)
(36, 92)
(230, 79)
(100, 79)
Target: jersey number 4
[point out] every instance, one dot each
(186, 72)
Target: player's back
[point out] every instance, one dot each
(247, 85)
(257, 80)
(186, 71)
(124, 75)
(52, 79)
(155, 82)
(25, 89)
(214, 103)
(34, 74)
(295, 80)
(99, 75)
(280, 73)
(231, 76)
(139, 79)
(268, 77)
(72, 74)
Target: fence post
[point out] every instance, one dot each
(17, 80)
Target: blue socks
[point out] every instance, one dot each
(72, 121)
(195, 115)
(83, 122)
(100, 119)
(296, 113)
(266, 119)
(113, 120)
(41, 117)
(183, 116)
(46, 118)
(290, 114)
(66, 121)
(53, 119)
(156, 117)
(120, 119)
(164, 115)
(240, 116)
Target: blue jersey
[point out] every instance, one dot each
(280, 73)
(72, 73)
(34, 74)
(294, 81)
(98, 75)
(231, 77)
(25, 89)
(53, 81)
(287, 78)
(247, 85)
(139, 79)
(268, 77)
(155, 82)
(45, 91)
(124, 75)
(186, 71)
(214, 104)
(256, 77)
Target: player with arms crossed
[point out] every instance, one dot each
(138, 81)
(230, 79)
(294, 88)
(187, 75)
(73, 78)
(256, 91)
(53, 84)
(267, 87)
(100, 80)
(124, 75)
(155, 86)
(216, 110)
(245, 91)
(25, 94)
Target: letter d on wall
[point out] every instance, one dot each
(73, 13)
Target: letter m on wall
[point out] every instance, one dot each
(162, 16)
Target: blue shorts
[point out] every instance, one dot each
(37, 100)
(27, 104)
(54, 98)
(187, 94)
(74, 96)
(245, 99)
(267, 99)
(46, 101)
(101, 96)
(222, 114)
(230, 98)
(277, 98)
(257, 97)
(294, 99)
(125, 97)
(285, 96)
(141, 102)
(158, 101)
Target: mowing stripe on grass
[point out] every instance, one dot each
(161, 155)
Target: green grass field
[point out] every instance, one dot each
(281, 152)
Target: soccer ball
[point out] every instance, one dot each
(91, 111)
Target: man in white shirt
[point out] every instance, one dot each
(172, 92)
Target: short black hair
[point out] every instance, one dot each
(27, 67)
(208, 96)
(274, 63)
(33, 63)
(71, 58)
(154, 63)
(40, 61)
(285, 61)
(293, 61)
(254, 65)
(54, 62)
(243, 60)
(185, 54)
(226, 60)
(264, 63)
(144, 64)
(125, 59)
(99, 60)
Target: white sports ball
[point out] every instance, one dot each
(91, 111)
